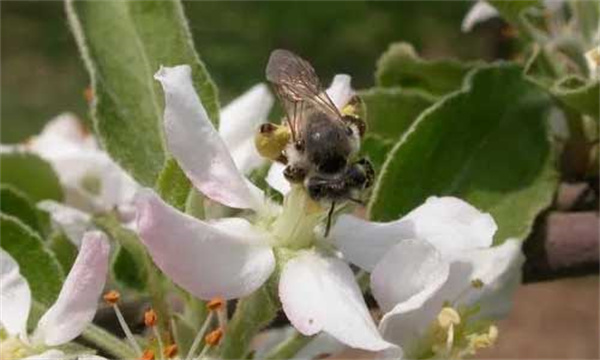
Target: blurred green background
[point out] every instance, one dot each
(42, 74)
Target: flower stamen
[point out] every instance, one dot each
(112, 298)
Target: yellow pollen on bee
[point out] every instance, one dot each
(271, 144)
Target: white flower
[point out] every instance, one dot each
(238, 123)
(232, 257)
(67, 317)
(479, 13)
(435, 275)
(592, 58)
(483, 11)
(93, 182)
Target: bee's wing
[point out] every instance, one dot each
(298, 87)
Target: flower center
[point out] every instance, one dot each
(12, 348)
(454, 334)
(294, 228)
(91, 183)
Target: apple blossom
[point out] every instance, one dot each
(436, 276)
(66, 319)
(232, 257)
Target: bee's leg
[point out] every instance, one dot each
(294, 174)
(357, 201)
(329, 218)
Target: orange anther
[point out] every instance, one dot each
(216, 304)
(170, 351)
(112, 297)
(214, 337)
(148, 355)
(150, 318)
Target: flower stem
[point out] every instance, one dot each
(288, 348)
(108, 342)
(251, 315)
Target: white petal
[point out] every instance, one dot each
(340, 90)
(229, 258)
(62, 133)
(480, 12)
(364, 243)
(451, 225)
(15, 296)
(78, 299)
(448, 223)
(411, 271)
(51, 354)
(197, 146)
(276, 180)
(239, 121)
(499, 270)
(498, 267)
(320, 294)
(73, 222)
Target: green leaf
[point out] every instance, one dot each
(173, 185)
(64, 250)
(123, 43)
(38, 265)
(486, 144)
(16, 203)
(376, 149)
(390, 111)
(579, 94)
(130, 262)
(30, 174)
(400, 66)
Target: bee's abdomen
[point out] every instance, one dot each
(327, 145)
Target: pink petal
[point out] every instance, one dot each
(78, 299)
(320, 294)
(197, 146)
(229, 258)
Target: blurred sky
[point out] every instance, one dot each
(42, 74)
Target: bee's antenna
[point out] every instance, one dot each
(329, 216)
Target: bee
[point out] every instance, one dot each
(324, 141)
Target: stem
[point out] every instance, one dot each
(532, 35)
(251, 315)
(288, 348)
(108, 342)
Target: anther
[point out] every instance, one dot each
(170, 351)
(215, 304)
(112, 297)
(214, 337)
(150, 318)
(147, 355)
